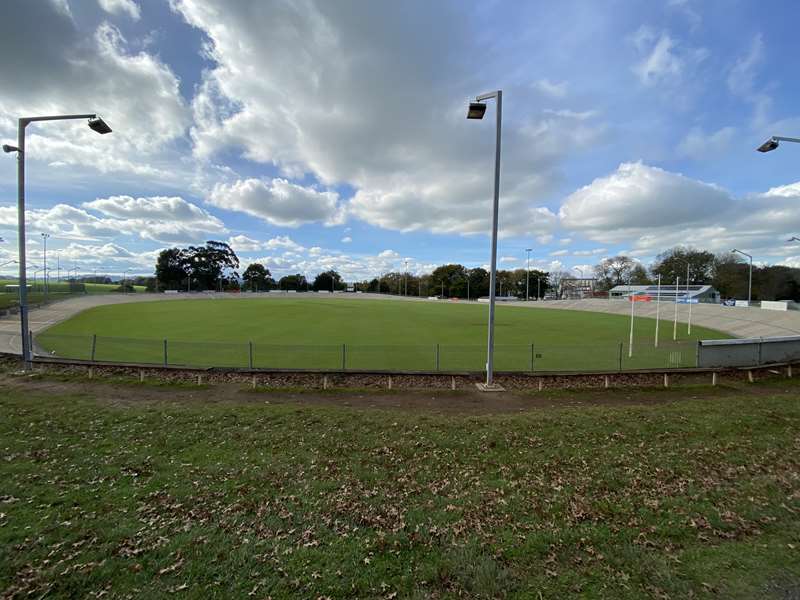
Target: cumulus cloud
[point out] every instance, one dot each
(242, 243)
(338, 111)
(66, 71)
(160, 219)
(346, 239)
(653, 209)
(699, 145)
(278, 202)
(121, 7)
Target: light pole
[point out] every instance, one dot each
(528, 275)
(750, 281)
(773, 142)
(405, 280)
(44, 241)
(96, 124)
(476, 111)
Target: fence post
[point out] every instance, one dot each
(437, 357)
(250, 357)
(760, 344)
(620, 357)
(166, 362)
(531, 357)
(697, 355)
(30, 341)
(94, 345)
(344, 357)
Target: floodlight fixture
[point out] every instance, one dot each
(476, 110)
(99, 125)
(773, 142)
(8, 148)
(768, 146)
(794, 238)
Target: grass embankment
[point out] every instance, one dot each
(378, 334)
(691, 498)
(56, 291)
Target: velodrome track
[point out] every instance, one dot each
(740, 322)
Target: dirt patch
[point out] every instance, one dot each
(128, 392)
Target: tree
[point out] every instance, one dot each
(450, 278)
(257, 277)
(671, 265)
(293, 282)
(614, 271)
(211, 266)
(478, 282)
(328, 281)
(639, 275)
(170, 268)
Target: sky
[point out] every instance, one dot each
(313, 135)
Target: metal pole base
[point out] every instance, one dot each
(494, 387)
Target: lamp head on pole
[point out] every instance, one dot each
(769, 145)
(7, 148)
(97, 124)
(476, 110)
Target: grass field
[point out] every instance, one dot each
(170, 493)
(364, 334)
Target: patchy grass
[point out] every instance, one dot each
(695, 498)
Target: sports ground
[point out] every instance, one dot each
(331, 333)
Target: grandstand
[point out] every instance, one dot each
(700, 293)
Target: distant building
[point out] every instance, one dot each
(701, 293)
(573, 288)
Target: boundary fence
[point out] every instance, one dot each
(521, 358)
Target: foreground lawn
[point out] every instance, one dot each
(257, 498)
(326, 333)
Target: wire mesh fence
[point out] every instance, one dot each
(533, 357)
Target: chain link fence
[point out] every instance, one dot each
(361, 357)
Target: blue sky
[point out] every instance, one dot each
(316, 135)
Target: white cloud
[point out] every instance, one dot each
(119, 7)
(338, 111)
(592, 252)
(663, 59)
(242, 243)
(741, 78)
(284, 242)
(551, 88)
(346, 239)
(653, 210)
(700, 145)
(559, 253)
(72, 72)
(565, 241)
(162, 219)
(278, 202)
(638, 198)
(509, 259)
(571, 114)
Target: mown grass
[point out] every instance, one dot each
(331, 333)
(172, 499)
(56, 291)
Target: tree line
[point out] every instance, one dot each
(727, 272)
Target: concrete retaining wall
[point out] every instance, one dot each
(748, 352)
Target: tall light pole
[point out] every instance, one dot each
(44, 241)
(405, 279)
(750, 281)
(96, 124)
(476, 111)
(528, 275)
